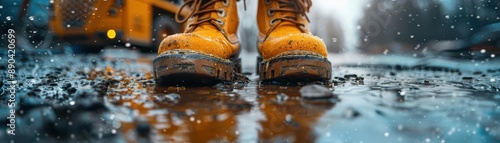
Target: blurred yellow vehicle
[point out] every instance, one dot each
(95, 23)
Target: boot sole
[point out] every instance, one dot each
(186, 67)
(295, 68)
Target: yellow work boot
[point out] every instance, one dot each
(289, 52)
(207, 51)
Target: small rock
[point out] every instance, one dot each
(112, 82)
(338, 80)
(101, 88)
(315, 91)
(477, 73)
(349, 76)
(66, 86)
(427, 82)
(392, 73)
(282, 97)
(71, 90)
(350, 113)
(380, 113)
(360, 78)
(467, 79)
(168, 97)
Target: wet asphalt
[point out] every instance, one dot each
(102, 98)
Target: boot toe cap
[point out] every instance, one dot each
(276, 45)
(195, 42)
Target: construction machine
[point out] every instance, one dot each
(96, 23)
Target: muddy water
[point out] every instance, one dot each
(116, 100)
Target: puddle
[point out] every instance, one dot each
(92, 99)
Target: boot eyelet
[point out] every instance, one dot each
(270, 12)
(302, 26)
(303, 16)
(268, 2)
(220, 22)
(221, 13)
(225, 3)
(273, 21)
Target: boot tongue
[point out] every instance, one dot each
(206, 15)
(291, 15)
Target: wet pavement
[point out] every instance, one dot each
(103, 98)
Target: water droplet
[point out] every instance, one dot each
(191, 119)
(452, 27)
(334, 40)
(68, 25)
(113, 131)
(483, 51)
(427, 140)
(447, 17)
(72, 12)
(72, 103)
(492, 55)
(127, 44)
(402, 93)
(412, 36)
(386, 51)
(51, 60)
(288, 118)
(1, 6)
(386, 134)
(8, 18)
(31, 18)
(492, 80)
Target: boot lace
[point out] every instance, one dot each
(299, 7)
(198, 8)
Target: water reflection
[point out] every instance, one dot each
(290, 121)
(374, 105)
(211, 114)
